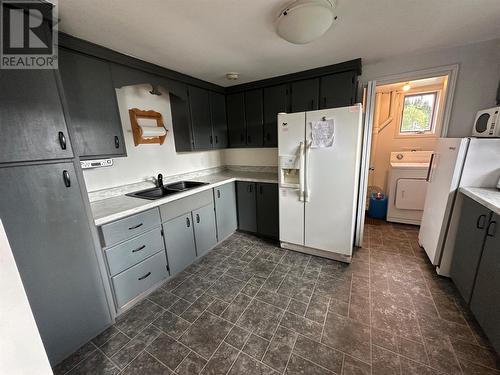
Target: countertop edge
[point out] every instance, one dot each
(152, 204)
(477, 195)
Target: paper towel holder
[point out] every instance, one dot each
(136, 114)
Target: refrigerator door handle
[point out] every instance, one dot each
(301, 171)
(428, 178)
(307, 188)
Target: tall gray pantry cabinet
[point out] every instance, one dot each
(44, 213)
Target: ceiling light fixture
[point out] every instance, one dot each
(232, 76)
(407, 86)
(302, 21)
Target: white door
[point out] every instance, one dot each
(332, 181)
(443, 178)
(291, 133)
(369, 112)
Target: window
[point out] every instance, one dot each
(418, 113)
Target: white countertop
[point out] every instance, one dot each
(111, 209)
(488, 197)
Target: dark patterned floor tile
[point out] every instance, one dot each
(296, 287)
(221, 361)
(95, 363)
(226, 288)
(320, 354)
(75, 358)
(413, 350)
(304, 326)
(301, 366)
(105, 336)
(441, 355)
(409, 367)
(297, 307)
(191, 365)
(236, 308)
(279, 349)
(256, 346)
(246, 365)
(474, 353)
(196, 309)
(171, 324)
(384, 362)
(114, 344)
(469, 368)
(138, 317)
(135, 346)
(168, 351)
(348, 336)
(163, 298)
(192, 288)
(260, 318)
(206, 334)
(145, 364)
(353, 366)
(272, 298)
(237, 337)
(180, 306)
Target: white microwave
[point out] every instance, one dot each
(487, 123)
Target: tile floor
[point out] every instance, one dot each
(249, 307)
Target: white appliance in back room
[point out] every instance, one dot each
(467, 162)
(407, 186)
(319, 156)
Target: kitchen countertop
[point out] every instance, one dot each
(488, 197)
(111, 209)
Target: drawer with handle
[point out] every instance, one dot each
(128, 253)
(139, 278)
(128, 227)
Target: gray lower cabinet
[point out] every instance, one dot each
(267, 210)
(179, 242)
(247, 208)
(225, 210)
(139, 278)
(43, 212)
(471, 233)
(205, 233)
(485, 302)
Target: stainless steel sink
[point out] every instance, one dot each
(166, 190)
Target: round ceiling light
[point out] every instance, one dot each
(305, 20)
(232, 76)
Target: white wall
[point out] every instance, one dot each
(477, 81)
(251, 156)
(146, 160)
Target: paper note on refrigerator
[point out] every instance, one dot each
(322, 133)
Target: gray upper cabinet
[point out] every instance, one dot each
(43, 212)
(276, 100)
(219, 122)
(254, 118)
(199, 107)
(205, 233)
(471, 233)
(247, 207)
(267, 210)
(181, 124)
(92, 105)
(179, 243)
(235, 107)
(225, 210)
(485, 303)
(305, 95)
(31, 117)
(338, 90)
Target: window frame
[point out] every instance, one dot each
(435, 126)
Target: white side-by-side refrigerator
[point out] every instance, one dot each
(319, 171)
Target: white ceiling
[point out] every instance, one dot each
(207, 38)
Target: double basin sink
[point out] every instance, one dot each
(166, 190)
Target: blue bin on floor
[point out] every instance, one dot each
(377, 208)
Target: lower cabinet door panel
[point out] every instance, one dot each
(268, 210)
(247, 206)
(204, 229)
(133, 251)
(139, 278)
(225, 210)
(179, 242)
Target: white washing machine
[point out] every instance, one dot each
(407, 186)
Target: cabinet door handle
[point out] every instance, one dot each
(218, 193)
(188, 222)
(492, 228)
(324, 102)
(198, 218)
(66, 179)
(135, 226)
(250, 188)
(143, 277)
(211, 140)
(216, 139)
(242, 138)
(139, 249)
(117, 142)
(481, 221)
(268, 136)
(62, 141)
(260, 189)
(312, 104)
(249, 139)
